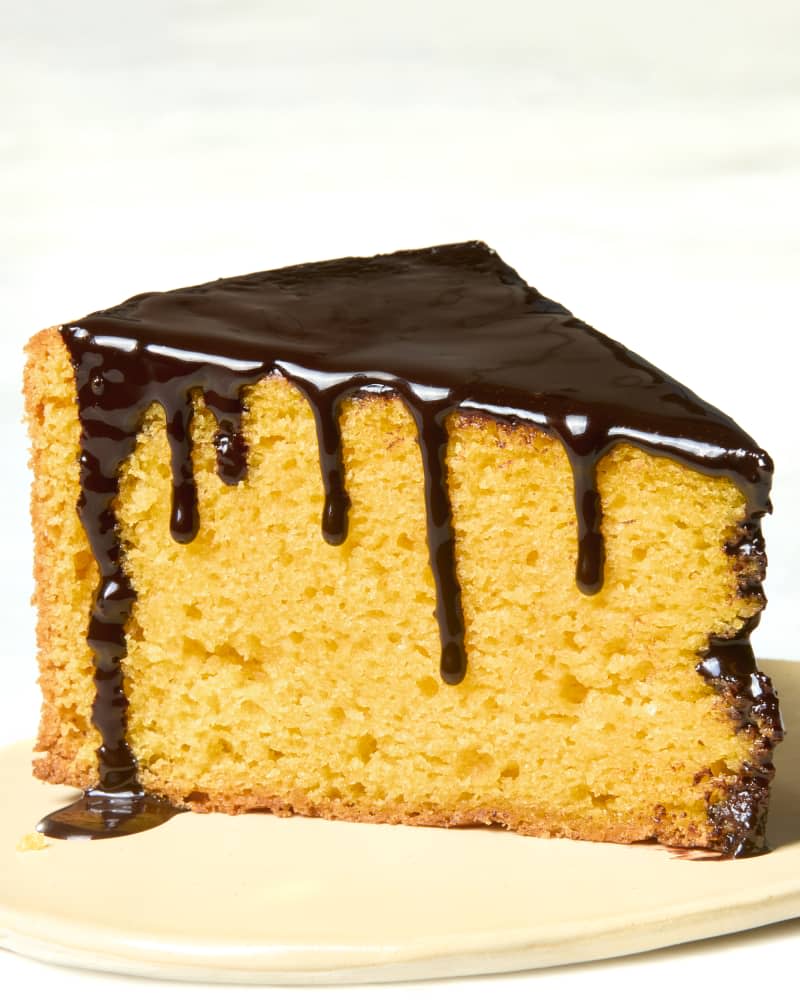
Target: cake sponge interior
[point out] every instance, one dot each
(267, 669)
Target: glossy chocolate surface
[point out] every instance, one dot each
(99, 815)
(446, 328)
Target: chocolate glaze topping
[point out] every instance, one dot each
(446, 328)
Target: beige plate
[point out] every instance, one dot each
(260, 899)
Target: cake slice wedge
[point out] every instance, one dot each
(394, 539)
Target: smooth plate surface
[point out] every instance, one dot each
(261, 899)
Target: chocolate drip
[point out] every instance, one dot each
(740, 819)
(585, 442)
(325, 403)
(447, 329)
(730, 662)
(103, 448)
(184, 520)
(430, 418)
(591, 544)
(229, 442)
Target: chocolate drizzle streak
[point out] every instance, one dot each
(325, 405)
(431, 419)
(447, 329)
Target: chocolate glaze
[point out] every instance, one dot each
(448, 329)
(729, 665)
(98, 815)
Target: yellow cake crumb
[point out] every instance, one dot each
(32, 842)
(267, 669)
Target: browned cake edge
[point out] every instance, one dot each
(59, 765)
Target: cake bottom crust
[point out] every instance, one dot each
(659, 827)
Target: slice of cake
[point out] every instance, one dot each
(393, 539)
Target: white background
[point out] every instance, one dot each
(637, 161)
